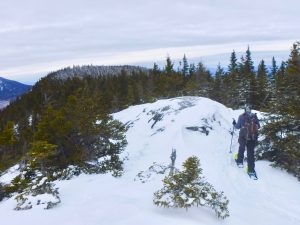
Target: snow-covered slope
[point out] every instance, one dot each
(156, 128)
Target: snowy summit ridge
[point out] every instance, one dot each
(95, 71)
(193, 126)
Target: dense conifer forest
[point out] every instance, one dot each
(65, 119)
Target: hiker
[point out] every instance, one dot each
(248, 124)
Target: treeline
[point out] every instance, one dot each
(282, 129)
(69, 117)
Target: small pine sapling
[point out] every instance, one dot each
(187, 188)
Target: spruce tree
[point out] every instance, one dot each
(187, 188)
(262, 95)
(248, 63)
(8, 136)
(251, 80)
(169, 68)
(243, 84)
(175, 81)
(272, 81)
(247, 86)
(185, 66)
(204, 80)
(192, 69)
(231, 82)
(279, 82)
(9, 140)
(217, 91)
(233, 66)
(192, 86)
(155, 69)
(274, 68)
(42, 156)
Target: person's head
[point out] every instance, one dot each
(247, 109)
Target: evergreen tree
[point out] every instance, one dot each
(169, 68)
(248, 63)
(42, 154)
(274, 68)
(293, 63)
(192, 69)
(279, 81)
(185, 66)
(272, 81)
(159, 82)
(233, 66)
(155, 69)
(251, 81)
(8, 140)
(192, 86)
(8, 135)
(82, 132)
(282, 142)
(231, 83)
(217, 91)
(174, 82)
(204, 80)
(188, 188)
(243, 84)
(247, 87)
(262, 86)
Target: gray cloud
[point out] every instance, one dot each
(37, 36)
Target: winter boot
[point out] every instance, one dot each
(252, 175)
(239, 164)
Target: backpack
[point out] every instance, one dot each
(250, 128)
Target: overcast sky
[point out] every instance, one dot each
(37, 36)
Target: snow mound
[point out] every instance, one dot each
(193, 126)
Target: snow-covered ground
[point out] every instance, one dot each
(102, 199)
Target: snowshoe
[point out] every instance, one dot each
(240, 165)
(252, 175)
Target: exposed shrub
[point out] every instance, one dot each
(187, 188)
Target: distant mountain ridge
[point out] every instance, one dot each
(3, 104)
(95, 71)
(10, 89)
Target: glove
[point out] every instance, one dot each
(233, 123)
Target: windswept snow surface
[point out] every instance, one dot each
(154, 130)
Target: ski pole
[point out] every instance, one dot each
(231, 139)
